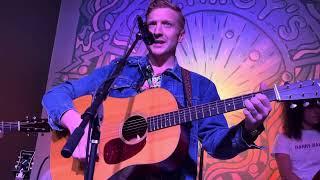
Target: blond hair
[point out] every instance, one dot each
(154, 4)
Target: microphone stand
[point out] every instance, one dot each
(91, 115)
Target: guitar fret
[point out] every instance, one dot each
(196, 110)
(234, 106)
(217, 107)
(176, 120)
(181, 117)
(151, 124)
(161, 122)
(225, 107)
(229, 105)
(243, 102)
(202, 112)
(210, 109)
(154, 123)
(166, 121)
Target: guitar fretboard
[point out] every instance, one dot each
(197, 112)
(9, 126)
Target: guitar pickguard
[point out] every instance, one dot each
(116, 151)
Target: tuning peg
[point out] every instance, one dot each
(292, 106)
(306, 104)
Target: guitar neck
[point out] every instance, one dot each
(193, 113)
(9, 126)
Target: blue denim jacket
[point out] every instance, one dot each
(218, 140)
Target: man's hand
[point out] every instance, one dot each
(257, 109)
(71, 120)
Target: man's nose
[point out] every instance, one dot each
(157, 31)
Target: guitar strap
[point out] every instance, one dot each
(188, 94)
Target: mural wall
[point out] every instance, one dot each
(235, 43)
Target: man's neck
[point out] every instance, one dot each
(160, 64)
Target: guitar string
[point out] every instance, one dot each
(189, 111)
(185, 111)
(137, 125)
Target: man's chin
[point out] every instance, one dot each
(157, 52)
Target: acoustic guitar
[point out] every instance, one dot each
(145, 129)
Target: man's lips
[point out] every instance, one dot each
(159, 41)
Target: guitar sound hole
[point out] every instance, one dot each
(134, 128)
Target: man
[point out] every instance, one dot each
(166, 22)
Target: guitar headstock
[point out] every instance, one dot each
(309, 89)
(29, 125)
(34, 125)
(23, 167)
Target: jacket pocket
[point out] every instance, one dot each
(121, 83)
(123, 87)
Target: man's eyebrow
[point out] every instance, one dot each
(167, 21)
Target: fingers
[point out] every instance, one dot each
(253, 108)
(265, 106)
(259, 104)
(80, 151)
(256, 111)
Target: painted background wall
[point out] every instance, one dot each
(235, 43)
(27, 34)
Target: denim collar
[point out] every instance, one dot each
(142, 62)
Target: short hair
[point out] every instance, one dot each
(155, 4)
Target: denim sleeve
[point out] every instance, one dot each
(217, 138)
(58, 99)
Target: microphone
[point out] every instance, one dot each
(147, 36)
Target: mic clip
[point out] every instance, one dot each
(149, 72)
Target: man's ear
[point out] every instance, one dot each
(181, 35)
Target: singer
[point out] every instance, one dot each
(164, 31)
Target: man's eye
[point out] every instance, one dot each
(151, 26)
(167, 25)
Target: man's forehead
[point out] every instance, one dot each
(163, 14)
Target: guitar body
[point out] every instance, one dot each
(118, 147)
